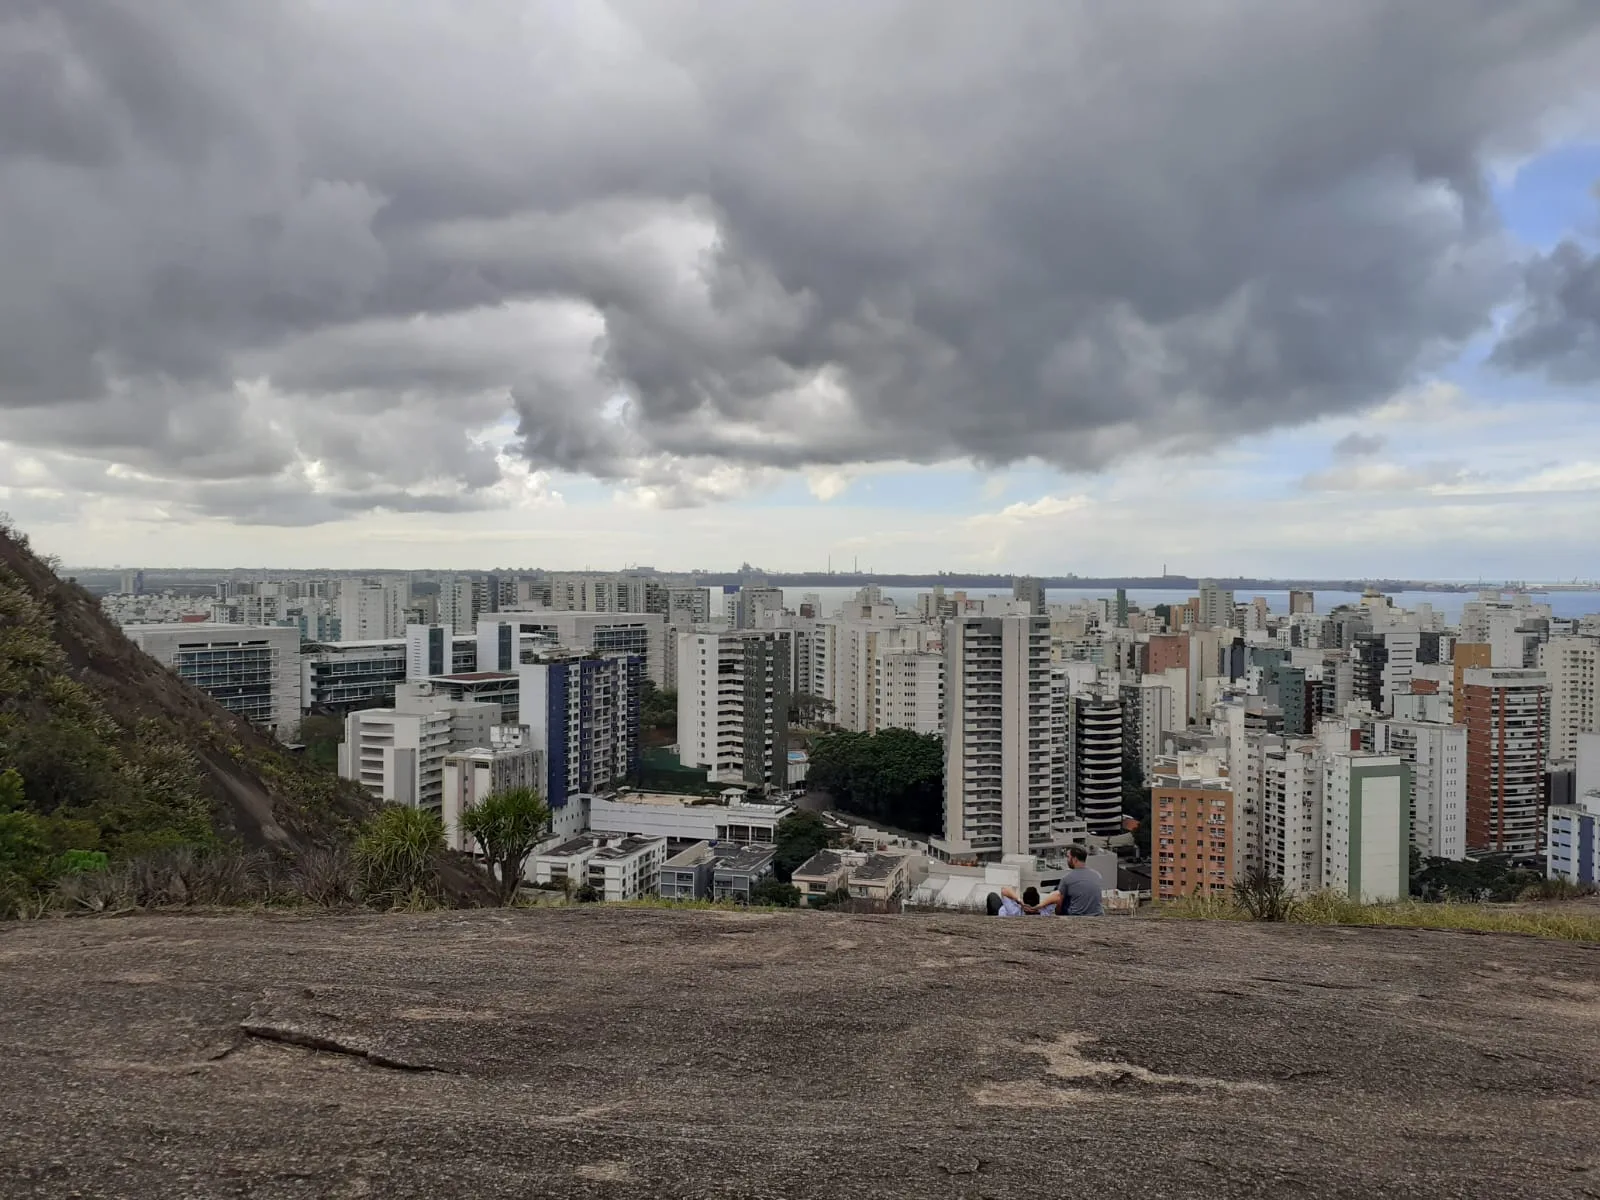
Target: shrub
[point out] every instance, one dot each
(587, 894)
(773, 891)
(1263, 896)
(326, 875)
(396, 856)
(1556, 889)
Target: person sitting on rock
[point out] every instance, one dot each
(1079, 892)
(1006, 903)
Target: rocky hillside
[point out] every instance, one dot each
(117, 754)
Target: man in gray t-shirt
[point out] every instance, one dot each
(1079, 892)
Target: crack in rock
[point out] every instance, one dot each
(288, 1035)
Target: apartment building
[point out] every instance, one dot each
(1291, 815)
(1094, 760)
(1437, 757)
(734, 693)
(1148, 714)
(473, 774)
(582, 713)
(628, 869)
(1216, 606)
(1572, 666)
(1507, 715)
(398, 753)
(1192, 806)
(252, 671)
(721, 872)
(506, 640)
(1366, 840)
(907, 690)
(369, 611)
(1000, 796)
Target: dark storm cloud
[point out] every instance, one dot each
(338, 243)
(1557, 326)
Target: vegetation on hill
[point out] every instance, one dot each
(120, 785)
(895, 776)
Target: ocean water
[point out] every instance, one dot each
(1562, 604)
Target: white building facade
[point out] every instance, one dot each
(252, 671)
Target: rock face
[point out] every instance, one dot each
(598, 1052)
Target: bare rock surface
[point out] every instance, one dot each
(610, 1052)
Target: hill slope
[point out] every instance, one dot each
(119, 754)
(599, 1052)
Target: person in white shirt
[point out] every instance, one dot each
(1007, 903)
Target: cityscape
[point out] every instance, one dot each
(1185, 744)
(813, 599)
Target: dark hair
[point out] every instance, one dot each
(1030, 895)
(1078, 852)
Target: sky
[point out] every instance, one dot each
(1270, 288)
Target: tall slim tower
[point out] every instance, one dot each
(1000, 797)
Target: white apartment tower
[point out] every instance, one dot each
(1094, 761)
(1366, 838)
(1437, 756)
(1572, 665)
(733, 704)
(908, 690)
(1216, 606)
(371, 611)
(1291, 816)
(999, 794)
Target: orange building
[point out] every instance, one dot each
(1191, 804)
(1467, 656)
(1167, 650)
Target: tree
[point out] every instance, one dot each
(1136, 803)
(806, 709)
(774, 892)
(896, 776)
(507, 826)
(658, 710)
(799, 836)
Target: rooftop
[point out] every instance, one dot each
(743, 858)
(823, 862)
(577, 845)
(280, 1055)
(627, 846)
(878, 866)
(472, 677)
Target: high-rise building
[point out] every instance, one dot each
(460, 602)
(1573, 667)
(1437, 757)
(1094, 761)
(1368, 658)
(908, 690)
(1366, 840)
(1291, 815)
(508, 639)
(582, 714)
(734, 689)
(1148, 713)
(369, 611)
(253, 671)
(1507, 715)
(999, 793)
(1192, 805)
(474, 774)
(1030, 592)
(398, 753)
(752, 606)
(1216, 606)
(1302, 602)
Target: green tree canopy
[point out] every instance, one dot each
(894, 776)
(799, 836)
